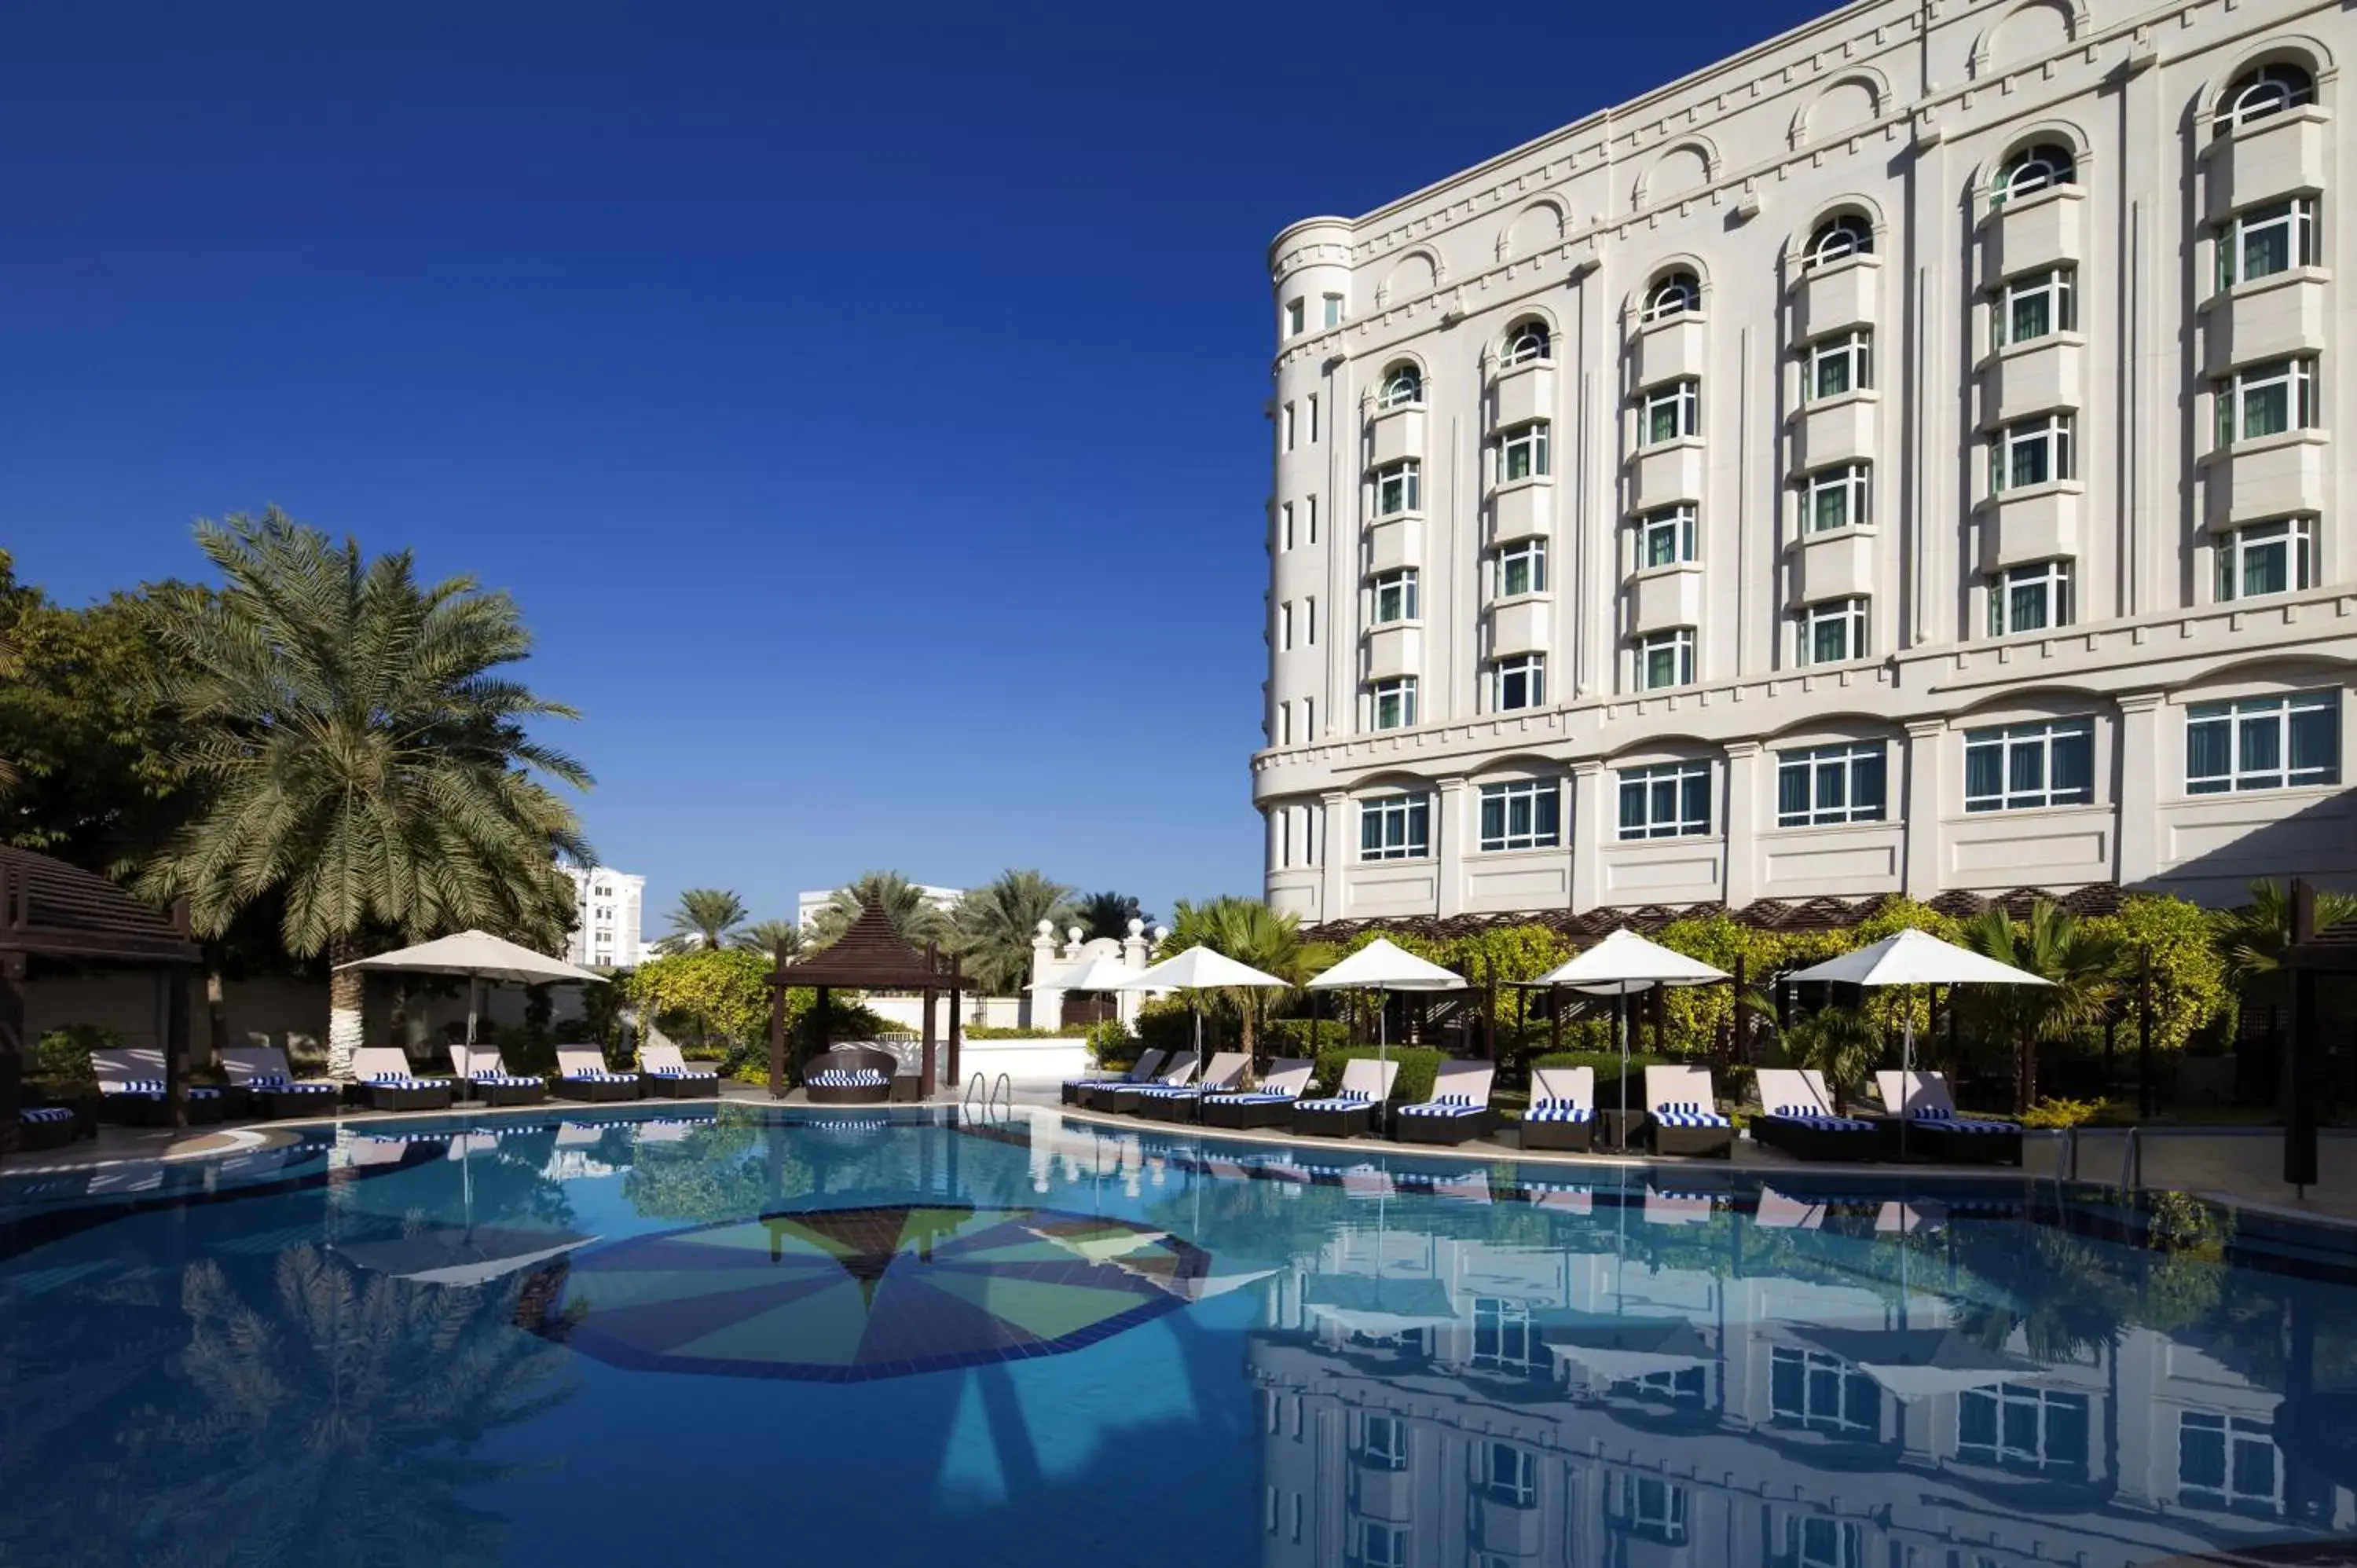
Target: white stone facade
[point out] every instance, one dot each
(607, 906)
(1903, 457)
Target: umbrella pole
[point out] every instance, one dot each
(474, 984)
(1621, 1020)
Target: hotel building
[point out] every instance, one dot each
(1903, 457)
(607, 904)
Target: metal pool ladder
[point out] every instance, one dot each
(987, 1093)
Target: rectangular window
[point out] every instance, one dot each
(1395, 827)
(1665, 658)
(1826, 785)
(2229, 1463)
(1823, 1393)
(1508, 1474)
(1816, 1541)
(1295, 317)
(1833, 632)
(1518, 682)
(1837, 365)
(1527, 814)
(1522, 453)
(2268, 558)
(2267, 240)
(1378, 1545)
(1309, 718)
(1669, 800)
(1521, 568)
(1334, 316)
(2263, 743)
(2266, 399)
(1285, 513)
(1285, 626)
(1394, 702)
(1394, 594)
(1313, 519)
(1287, 427)
(1399, 488)
(2036, 597)
(2019, 768)
(2031, 452)
(1313, 418)
(1665, 538)
(2034, 307)
(1838, 497)
(1672, 412)
(2018, 1427)
(1285, 724)
(1653, 1507)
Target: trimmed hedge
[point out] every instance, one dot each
(1419, 1066)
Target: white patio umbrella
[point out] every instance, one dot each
(1915, 958)
(1202, 969)
(1383, 966)
(1923, 1363)
(479, 956)
(472, 1259)
(1622, 964)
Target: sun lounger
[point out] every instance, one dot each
(1184, 1101)
(1457, 1111)
(270, 1088)
(130, 1089)
(667, 1075)
(1268, 1104)
(1563, 1109)
(1799, 1119)
(849, 1075)
(1779, 1211)
(485, 1073)
(1352, 1109)
(47, 1127)
(1142, 1070)
(1681, 1104)
(582, 1074)
(1177, 1073)
(386, 1082)
(1933, 1130)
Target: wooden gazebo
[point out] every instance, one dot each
(870, 956)
(52, 910)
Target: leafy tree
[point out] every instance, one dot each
(2250, 940)
(1108, 915)
(769, 936)
(719, 997)
(914, 915)
(2188, 973)
(704, 918)
(2079, 961)
(364, 755)
(1842, 1043)
(992, 926)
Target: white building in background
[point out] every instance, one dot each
(1903, 457)
(606, 911)
(807, 905)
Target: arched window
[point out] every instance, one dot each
(1527, 341)
(2033, 170)
(2256, 94)
(1838, 238)
(1402, 387)
(1673, 294)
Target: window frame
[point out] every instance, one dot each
(2044, 737)
(1402, 387)
(2232, 1432)
(2295, 215)
(2239, 107)
(2058, 286)
(1681, 786)
(2238, 393)
(1678, 642)
(1679, 522)
(1400, 824)
(1296, 316)
(2036, 1456)
(1673, 294)
(1530, 668)
(1814, 1369)
(1537, 801)
(1850, 765)
(1534, 554)
(2055, 583)
(1407, 475)
(1402, 582)
(2038, 155)
(1332, 314)
(1401, 690)
(1530, 342)
(1853, 350)
(2052, 435)
(1842, 237)
(1531, 439)
(1851, 616)
(2295, 537)
(1854, 481)
(2236, 721)
(1681, 400)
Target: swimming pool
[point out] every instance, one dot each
(787, 1337)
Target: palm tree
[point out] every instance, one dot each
(1252, 934)
(704, 918)
(2250, 940)
(364, 755)
(993, 926)
(1109, 915)
(1841, 1043)
(913, 914)
(2081, 965)
(769, 936)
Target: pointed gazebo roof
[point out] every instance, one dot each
(871, 956)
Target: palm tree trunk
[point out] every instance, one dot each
(347, 990)
(216, 1011)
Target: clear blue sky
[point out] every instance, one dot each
(863, 401)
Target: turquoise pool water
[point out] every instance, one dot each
(889, 1337)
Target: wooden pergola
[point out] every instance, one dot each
(52, 910)
(870, 956)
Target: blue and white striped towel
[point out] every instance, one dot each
(1947, 1119)
(1445, 1105)
(1349, 1099)
(1688, 1114)
(850, 1078)
(1557, 1111)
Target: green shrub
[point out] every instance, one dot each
(1111, 1043)
(1419, 1066)
(61, 1056)
(2061, 1114)
(1166, 1023)
(1011, 1032)
(1302, 1036)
